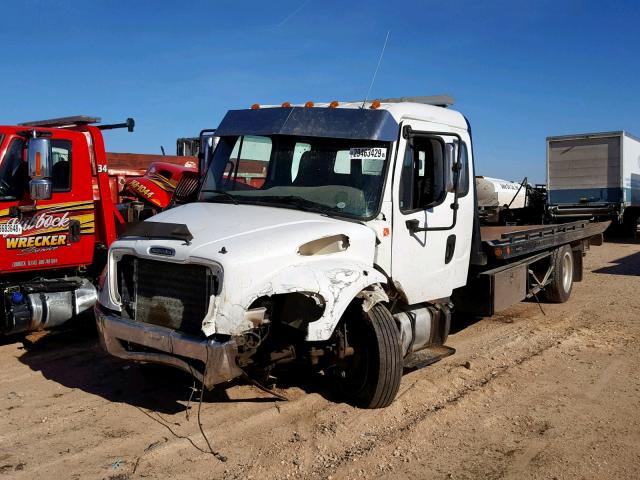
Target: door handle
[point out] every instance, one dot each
(450, 248)
(74, 231)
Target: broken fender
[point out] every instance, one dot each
(337, 282)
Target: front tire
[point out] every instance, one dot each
(370, 378)
(559, 290)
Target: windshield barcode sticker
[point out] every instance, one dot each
(10, 229)
(373, 153)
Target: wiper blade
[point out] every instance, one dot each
(300, 202)
(222, 192)
(293, 200)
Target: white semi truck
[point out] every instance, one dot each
(346, 257)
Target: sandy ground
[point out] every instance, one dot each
(526, 395)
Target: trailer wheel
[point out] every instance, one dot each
(559, 290)
(370, 378)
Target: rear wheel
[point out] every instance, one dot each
(370, 377)
(630, 223)
(559, 290)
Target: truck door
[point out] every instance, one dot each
(53, 233)
(430, 254)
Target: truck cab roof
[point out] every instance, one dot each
(376, 121)
(426, 108)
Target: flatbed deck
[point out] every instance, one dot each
(505, 242)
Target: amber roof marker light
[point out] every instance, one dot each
(255, 106)
(334, 104)
(286, 105)
(309, 104)
(375, 104)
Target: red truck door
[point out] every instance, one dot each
(54, 233)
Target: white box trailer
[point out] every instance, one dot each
(594, 175)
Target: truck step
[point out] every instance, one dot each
(426, 357)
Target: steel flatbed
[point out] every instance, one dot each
(511, 242)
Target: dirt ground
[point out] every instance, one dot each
(526, 395)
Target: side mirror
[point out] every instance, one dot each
(208, 143)
(40, 168)
(450, 176)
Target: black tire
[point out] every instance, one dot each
(370, 378)
(630, 223)
(559, 290)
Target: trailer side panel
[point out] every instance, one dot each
(585, 170)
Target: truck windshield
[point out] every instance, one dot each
(13, 175)
(333, 176)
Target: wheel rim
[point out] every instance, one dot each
(567, 271)
(355, 369)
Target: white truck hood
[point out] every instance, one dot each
(258, 249)
(254, 231)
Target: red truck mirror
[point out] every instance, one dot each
(40, 168)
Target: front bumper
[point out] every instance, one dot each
(168, 347)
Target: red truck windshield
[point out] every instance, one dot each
(13, 173)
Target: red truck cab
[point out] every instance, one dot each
(63, 230)
(61, 206)
(57, 218)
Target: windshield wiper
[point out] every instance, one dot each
(222, 192)
(295, 201)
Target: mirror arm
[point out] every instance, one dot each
(414, 225)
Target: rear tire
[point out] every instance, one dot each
(370, 378)
(559, 290)
(630, 223)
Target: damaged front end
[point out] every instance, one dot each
(161, 309)
(152, 311)
(210, 361)
(219, 310)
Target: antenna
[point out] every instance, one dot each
(377, 68)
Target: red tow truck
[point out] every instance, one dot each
(60, 207)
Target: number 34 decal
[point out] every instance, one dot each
(102, 168)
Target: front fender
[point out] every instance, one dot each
(337, 282)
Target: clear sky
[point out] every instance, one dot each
(519, 70)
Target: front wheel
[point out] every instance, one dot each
(370, 377)
(559, 290)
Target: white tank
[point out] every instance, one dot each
(494, 192)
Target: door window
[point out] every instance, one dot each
(61, 161)
(422, 178)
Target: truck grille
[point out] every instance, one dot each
(186, 187)
(166, 294)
